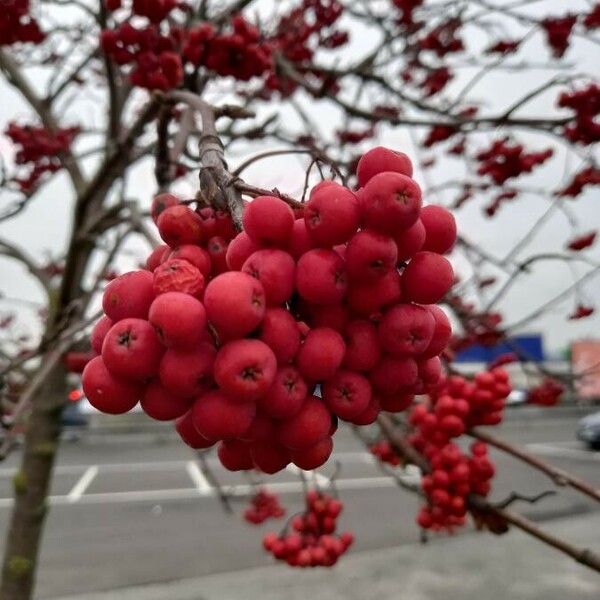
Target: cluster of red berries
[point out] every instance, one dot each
(592, 19)
(502, 160)
(241, 53)
(313, 542)
(385, 453)
(455, 406)
(581, 242)
(454, 476)
(153, 56)
(585, 102)
(407, 7)
(300, 33)
(263, 506)
(39, 150)
(443, 39)
(231, 335)
(436, 80)
(581, 311)
(558, 33)
(503, 47)
(17, 24)
(437, 134)
(547, 393)
(587, 176)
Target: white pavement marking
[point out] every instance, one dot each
(287, 487)
(202, 485)
(161, 465)
(556, 450)
(82, 484)
(320, 479)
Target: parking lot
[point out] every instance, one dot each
(139, 509)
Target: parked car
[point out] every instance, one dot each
(588, 430)
(516, 397)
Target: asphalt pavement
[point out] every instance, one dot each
(134, 510)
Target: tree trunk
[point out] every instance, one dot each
(31, 485)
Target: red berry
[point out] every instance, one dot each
(196, 255)
(307, 427)
(235, 304)
(362, 346)
(188, 373)
(179, 319)
(245, 369)
(406, 329)
(321, 277)
(391, 202)
(239, 249)
(217, 417)
(427, 278)
(347, 394)
(440, 227)
(314, 456)
(177, 275)
(268, 220)
(108, 393)
(331, 215)
(321, 354)
(189, 434)
(160, 203)
(370, 255)
(132, 350)
(129, 296)
(162, 405)
(280, 332)
(410, 241)
(276, 270)
(179, 225)
(380, 159)
(286, 395)
(235, 455)
(99, 332)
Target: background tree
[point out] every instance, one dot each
(493, 97)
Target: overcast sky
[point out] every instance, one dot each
(43, 228)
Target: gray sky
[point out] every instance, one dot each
(42, 229)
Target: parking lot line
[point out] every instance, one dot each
(241, 490)
(199, 480)
(82, 484)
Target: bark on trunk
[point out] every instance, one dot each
(31, 485)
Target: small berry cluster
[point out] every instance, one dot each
(384, 452)
(436, 80)
(407, 7)
(581, 242)
(502, 161)
(17, 25)
(558, 33)
(442, 40)
(231, 335)
(582, 311)
(313, 542)
(39, 150)
(503, 47)
(263, 506)
(153, 56)
(241, 54)
(585, 102)
(587, 176)
(454, 407)
(454, 475)
(298, 35)
(547, 393)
